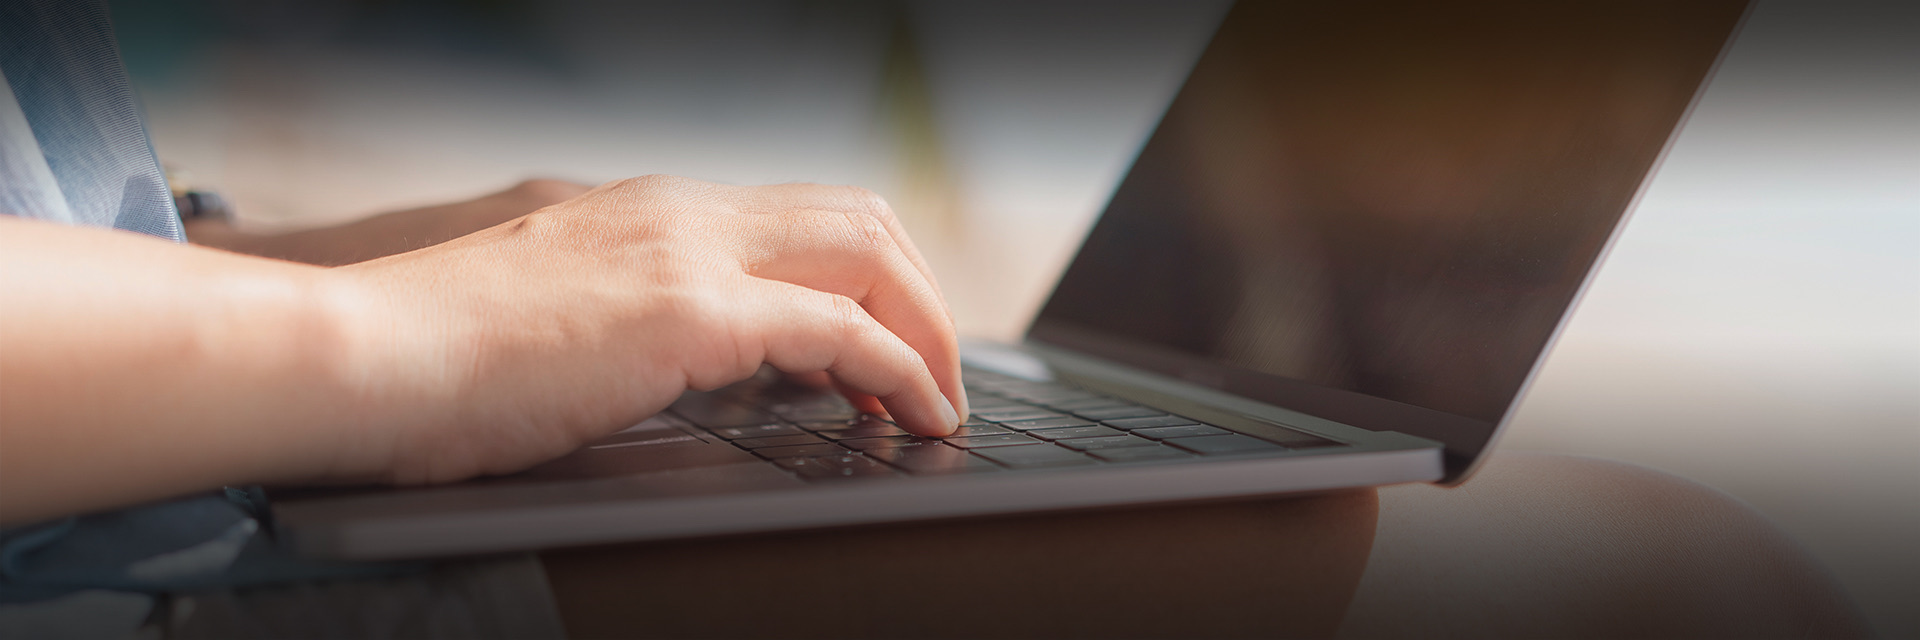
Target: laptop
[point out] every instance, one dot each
(1336, 263)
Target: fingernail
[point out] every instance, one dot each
(946, 411)
(966, 405)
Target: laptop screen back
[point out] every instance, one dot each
(1379, 213)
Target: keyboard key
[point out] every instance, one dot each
(1146, 423)
(991, 403)
(1110, 442)
(1138, 454)
(801, 462)
(977, 430)
(1116, 413)
(1162, 433)
(1064, 395)
(1093, 403)
(800, 450)
(981, 442)
(863, 432)
(799, 399)
(842, 425)
(816, 400)
(776, 441)
(1036, 456)
(1298, 440)
(758, 431)
(1045, 423)
(1014, 414)
(835, 467)
(1075, 432)
(816, 414)
(974, 374)
(933, 460)
(1223, 445)
(867, 444)
(1031, 386)
(714, 414)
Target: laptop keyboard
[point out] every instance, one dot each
(1016, 424)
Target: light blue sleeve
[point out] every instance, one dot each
(67, 82)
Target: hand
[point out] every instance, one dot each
(391, 233)
(517, 344)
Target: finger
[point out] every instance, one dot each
(785, 197)
(798, 329)
(866, 202)
(852, 255)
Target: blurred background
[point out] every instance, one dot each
(1757, 328)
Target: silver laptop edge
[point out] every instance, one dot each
(534, 525)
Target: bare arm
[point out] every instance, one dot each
(132, 369)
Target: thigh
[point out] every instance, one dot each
(1539, 546)
(1271, 568)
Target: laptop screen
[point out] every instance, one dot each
(1380, 212)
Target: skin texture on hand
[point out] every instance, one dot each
(133, 369)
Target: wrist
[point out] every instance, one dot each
(394, 370)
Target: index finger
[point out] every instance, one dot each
(788, 198)
(850, 255)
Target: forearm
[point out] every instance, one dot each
(133, 369)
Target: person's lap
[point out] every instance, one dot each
(1540, 545)
(1534, 546)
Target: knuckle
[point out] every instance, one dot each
(868, 233)
(542, 223)
(870, 203)
(846, 317)
(671, 196)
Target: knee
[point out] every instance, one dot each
(1561, 546)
